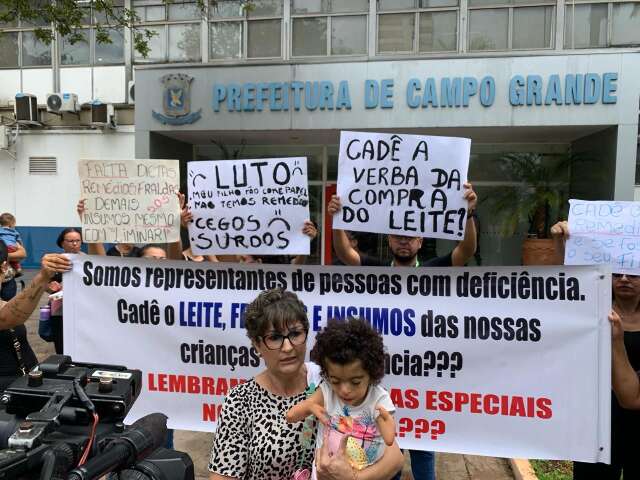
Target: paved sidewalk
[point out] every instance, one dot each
(198, 444)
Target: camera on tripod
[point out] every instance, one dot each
(64, 421)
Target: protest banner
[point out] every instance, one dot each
(402, 184)
(249, 206)
(604, 233)
(130, 201)
(507, 361)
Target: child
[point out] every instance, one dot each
(11, 238)
(349, 400)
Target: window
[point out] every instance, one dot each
(585, 25)
(35, 53)
(597, 25)
(532, 27)
(417, 26)
(626, 24)
(225, 39)
(9, 49)
(87, 50)
(506, 25)
(237, 32)
(77, 53)
(329, 27)
(177, 30)
(19, 45)
(109, 53)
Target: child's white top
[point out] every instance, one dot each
(365, 445)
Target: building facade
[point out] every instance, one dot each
(273, 78)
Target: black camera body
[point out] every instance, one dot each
(63, 413)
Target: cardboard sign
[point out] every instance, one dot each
(130, 201)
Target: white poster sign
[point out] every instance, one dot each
(402, 184)
(507, 361)
(249, 206)
(604, 233)
(130, 201)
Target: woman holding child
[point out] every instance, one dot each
(254, 439)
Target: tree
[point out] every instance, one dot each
(67, 17)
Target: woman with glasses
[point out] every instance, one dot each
(624, 423)
(253, 440)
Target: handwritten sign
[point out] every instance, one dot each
(130, 201)
(604, 232)
(249, 206)
(403, 184)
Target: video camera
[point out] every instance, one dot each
(64, 421)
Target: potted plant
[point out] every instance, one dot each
(537, 201)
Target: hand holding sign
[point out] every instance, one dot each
(415, 180)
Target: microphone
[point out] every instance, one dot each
(142, 438)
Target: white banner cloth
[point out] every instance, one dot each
(507, 362)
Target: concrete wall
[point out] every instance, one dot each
(44, 204)
(397, 113)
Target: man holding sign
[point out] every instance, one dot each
(405, 248)
(415, 181)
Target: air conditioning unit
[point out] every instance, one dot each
(102, 114)
(26, 109)
(62, 102)
(131, 92)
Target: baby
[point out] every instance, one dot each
(11, 238)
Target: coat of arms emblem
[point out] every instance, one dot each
(176, 100)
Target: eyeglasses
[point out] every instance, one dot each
(274, 341)
(73, 241)
(620, 275)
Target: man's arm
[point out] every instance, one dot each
(626, 384)
(467, 247)
(346, 253)
(560, 233)
(17, 310)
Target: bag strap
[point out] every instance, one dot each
(22, 369)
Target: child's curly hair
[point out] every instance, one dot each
(343, 342)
